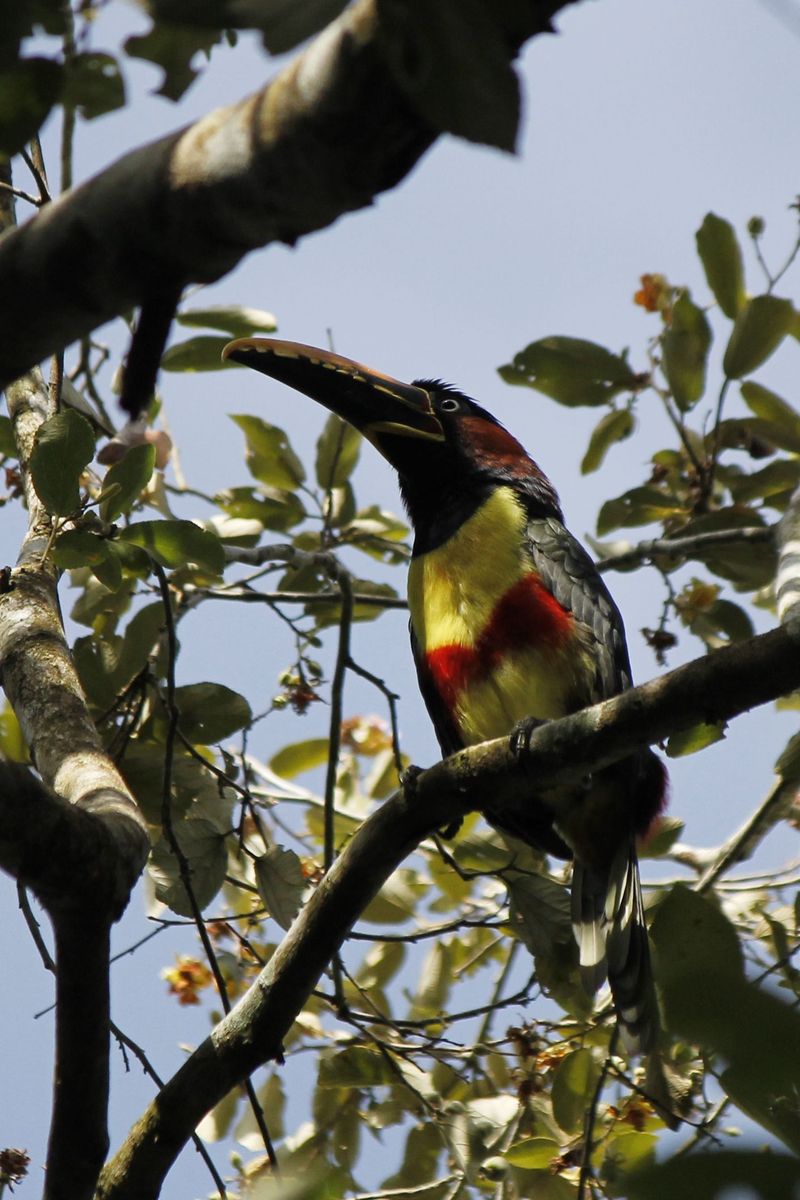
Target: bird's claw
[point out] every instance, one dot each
(522, 733)
(408, 781)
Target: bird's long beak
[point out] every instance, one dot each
(380, 407)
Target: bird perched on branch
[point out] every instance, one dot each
(511, 625)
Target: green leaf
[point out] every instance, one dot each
(175, 543)
(8, 444)
(784, 419)
(689, 741)
(788, 762)
(270, 457)
(211, 712)
(331, 613)
(570, 370)
(664, 835)
(623, 1151)
(126, 480)
(173, 48)
(237, 320)
(397, 900)
(574, 1082)
(300, 756)
(93, 84)
(272, 1098)
(109, 568)
(780, 476)
(79, 548)
(534, 1154)
(28, 90)
(435, 982)
(64, 446)
(355, 1067)
(216, 1124)
(769, 1176)
(721, 623)
(759, 329)
(708, 999)
(338, 448)
(721, 257)
(639, 506)
(615, 426)
(204, 848)
(197, 354)
(473, 90)
(280, 882)
(12, 742)
(141, 635)
(275, 508)
(539, 912)
(685, 346)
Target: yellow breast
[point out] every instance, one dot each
(496, 644)
(453, 590)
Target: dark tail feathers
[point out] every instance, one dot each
(608, 919)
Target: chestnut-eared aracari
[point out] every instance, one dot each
(510, 622)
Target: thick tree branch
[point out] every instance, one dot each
(77, 838)
(713, 688)
(327, 135)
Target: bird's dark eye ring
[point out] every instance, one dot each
(449, 404)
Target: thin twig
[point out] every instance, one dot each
(127, 1043)
(337, 690)
(35, 929)
(744, 841)
(584, 1179)
(391, 700)
(183, 863)
(681, 547)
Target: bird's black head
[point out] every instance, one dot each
(446, 449)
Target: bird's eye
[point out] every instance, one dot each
(449, 404)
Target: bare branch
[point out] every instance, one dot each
(684, 547)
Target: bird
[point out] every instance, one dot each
(511, 626)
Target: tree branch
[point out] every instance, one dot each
(714, 688)
(328, 134)
(77, 838)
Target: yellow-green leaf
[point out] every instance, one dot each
(574, 1083)
(615, 426)
(685, 347)
(210, 712)
(176, 543)
(534, 1153)
(280, 882)
(338, 448)
(270, 457)
(64, 446)
(237, 320)
(759, 329)
(202, 353)
(689, 741)
(721, 257)
(297, 757)
(126, 480)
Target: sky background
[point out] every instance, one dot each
(639, 118)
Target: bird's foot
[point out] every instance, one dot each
(522, 733)
(408, 781)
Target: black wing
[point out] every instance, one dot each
(569, 574)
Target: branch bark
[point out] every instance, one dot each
(327, 135)
(77, 837)
(714, 688)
